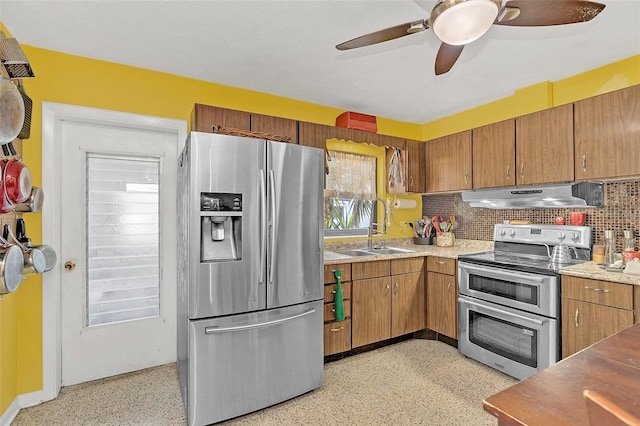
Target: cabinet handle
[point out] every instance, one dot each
(466, 178)
(440, 262)
(584, 162)
(522, 170)
(449, 288)
(336, 329)
(410, 180)
(576, 317)
(508, 171)
(603, 290)
(395, 291)
(387, 292)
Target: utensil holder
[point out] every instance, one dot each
(422, 241)
(445, 239)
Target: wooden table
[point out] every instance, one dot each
(554, 395)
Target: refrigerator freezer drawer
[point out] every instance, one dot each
(242, 363)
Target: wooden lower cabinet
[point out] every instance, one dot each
(593, 310)
(442, 304)
(407, 303)
(586, 323)
(371, 310)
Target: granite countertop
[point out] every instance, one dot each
(593, 271)
(460, 247)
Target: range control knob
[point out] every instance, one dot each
(561, 236)
(512, 234)
(502, 232)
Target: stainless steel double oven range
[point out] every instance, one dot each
(509, 298)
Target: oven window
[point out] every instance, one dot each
(506, 339)
(506, 289)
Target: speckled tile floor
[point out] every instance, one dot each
(416, 382)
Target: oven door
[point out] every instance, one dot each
(514, 342)
(536, 293)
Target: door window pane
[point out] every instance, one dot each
(123, 241)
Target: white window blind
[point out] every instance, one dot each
(123, 272)
(351, 176)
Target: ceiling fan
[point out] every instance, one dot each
(460, 22)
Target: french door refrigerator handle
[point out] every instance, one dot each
(215, 330)
(272, 199)
(263, 225)
(484, 309)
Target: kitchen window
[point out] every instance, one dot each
(349, 194)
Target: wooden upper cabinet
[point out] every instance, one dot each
(448, 163)
(544, 146)
(494, 155)
(204, 117)
(312, 134)
(275, 125)
(416, 153)
(607, 135)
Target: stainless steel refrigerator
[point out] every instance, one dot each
(250, 268)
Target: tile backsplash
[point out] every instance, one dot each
(621, 212)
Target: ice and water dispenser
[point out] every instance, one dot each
(220, 227)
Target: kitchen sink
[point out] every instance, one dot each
(355, 253)
(375, 251)
(390, 250)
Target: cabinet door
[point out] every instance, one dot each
(407, 303)
(312, 134)
(204, 117)
(371, 311)
(442, 304)
(449, 163)
(607, 135)
(494, 155)
(584, 324)
(416, 153)
(544, 146)
(275, 125)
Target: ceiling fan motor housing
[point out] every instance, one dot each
(458, 22)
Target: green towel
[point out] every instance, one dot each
(339, 304)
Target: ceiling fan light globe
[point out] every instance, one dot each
(458, 22)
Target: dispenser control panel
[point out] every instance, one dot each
(220, 202)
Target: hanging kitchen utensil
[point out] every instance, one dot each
(11, 110)
(14, 59)
(11, 266)
(396, 179)
(33, 259)
(5, 204)
(33, 204)
(17, 179)
(25, 132)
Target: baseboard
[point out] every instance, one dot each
(10, 413)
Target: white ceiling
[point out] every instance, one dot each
(286, 48)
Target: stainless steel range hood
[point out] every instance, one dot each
(578, 194)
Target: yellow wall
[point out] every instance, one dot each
(608, 78)
(80, 81)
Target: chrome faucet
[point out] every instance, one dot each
(384, 223)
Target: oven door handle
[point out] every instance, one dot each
(482, 308)
(502, 273)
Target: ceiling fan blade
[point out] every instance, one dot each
(540, 13)
(446, 57)
(384, 35)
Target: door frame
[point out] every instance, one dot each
(52, 116)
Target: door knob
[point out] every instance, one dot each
(69, 265)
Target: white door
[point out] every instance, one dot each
(117, 249)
